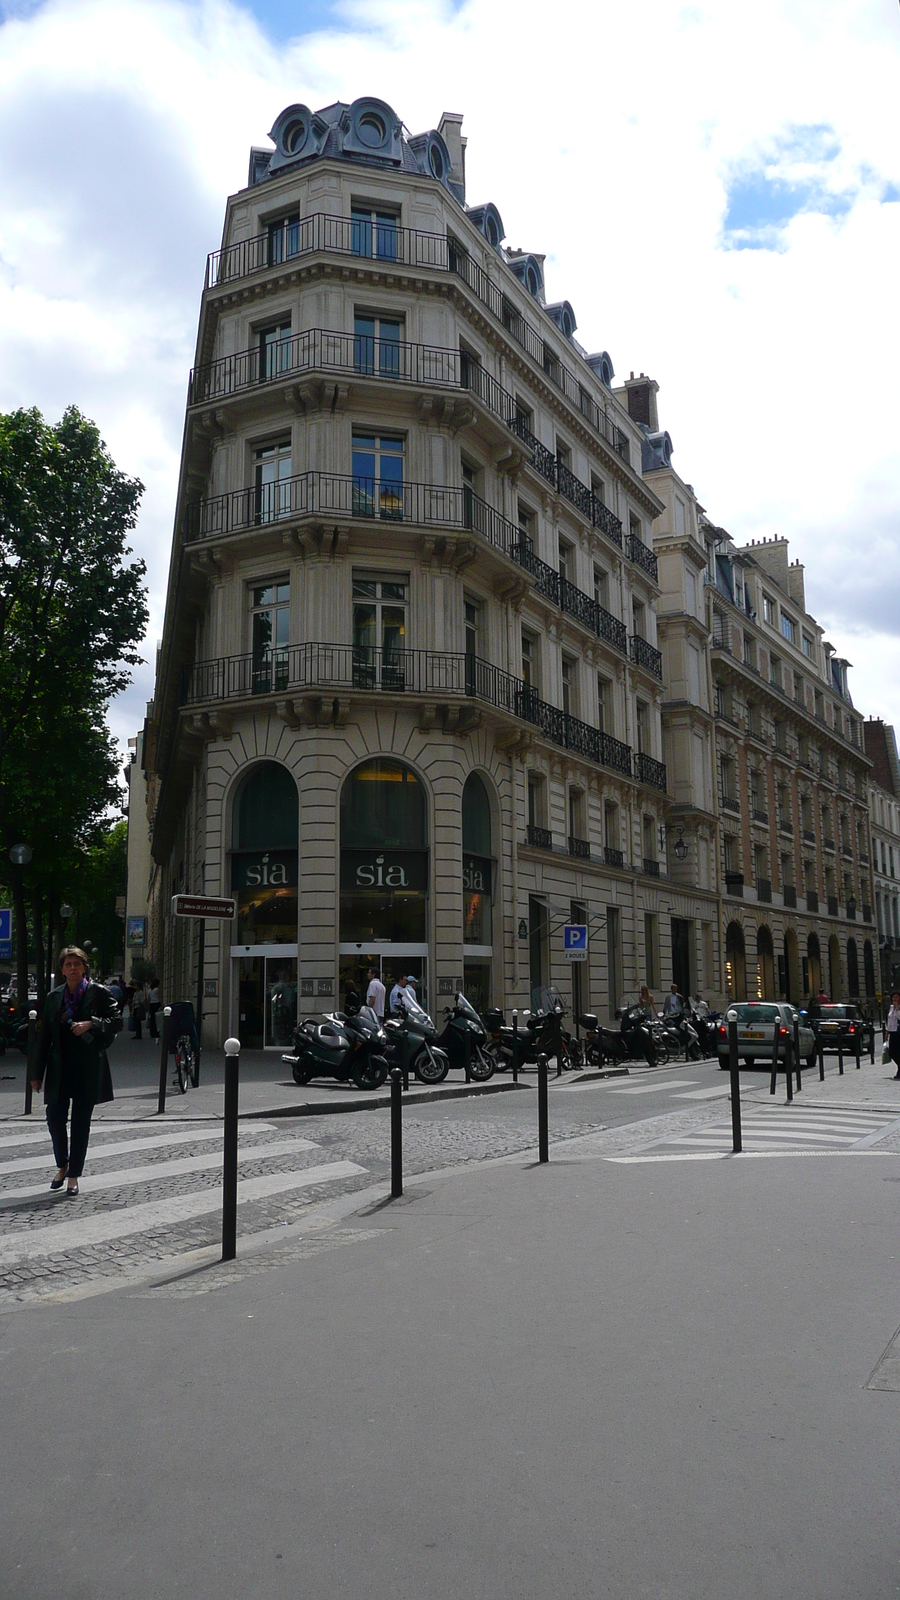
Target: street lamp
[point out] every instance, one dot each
(65, 912)
(20, 855)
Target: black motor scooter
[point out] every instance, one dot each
(542, 1034)
(631, 1041)
(464, 1037)
(412, 1043)
(348, 1045)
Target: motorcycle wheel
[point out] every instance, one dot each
(481, 1066)
(371, 1074)
(574, 1052)
(661, 1051)
(501, 1062)
(431, 1066)
(301, 1074)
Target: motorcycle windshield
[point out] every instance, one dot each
(548, 999)
(418, 1018)
(466, 1009)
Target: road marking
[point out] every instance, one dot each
(127, 1147)
(719, 1090)
(83, 1231)
(128, 1177)
(651, 1088)
(705, 1155)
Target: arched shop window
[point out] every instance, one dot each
(852, 969)
(477, 889)
(384, 854)
(264, 856)
(735, 964)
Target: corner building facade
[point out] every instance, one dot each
(408, 694)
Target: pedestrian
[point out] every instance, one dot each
(153, 1006)
(375, 994)
(80, 1021)
(138, 1012)
(892, 1031)
(646, 1003)
(673, 1006)
(398, 996)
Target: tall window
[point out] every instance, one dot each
(270, 632)
(568, 687)
(472, 642)
(373, 232)
(604, 704)
(275, 350)
(768, 608)
(638, 619)
(273, 491)
(284, 238)
(566, 558)
(642, 726)
(601, 588)
(384, 855)
(379, 630)
(376, 345)
(377, 476)
(789, 627)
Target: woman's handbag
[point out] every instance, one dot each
(885, 1052)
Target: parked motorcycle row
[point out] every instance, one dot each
(354, 1046)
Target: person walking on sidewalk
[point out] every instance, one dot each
(153, 1005)
(892, 1030)
(80, 1021)
(375, 994)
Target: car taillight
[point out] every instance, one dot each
(782, 1030)
(722, 1030)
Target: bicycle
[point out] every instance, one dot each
(185, 1062)
(185, 1051)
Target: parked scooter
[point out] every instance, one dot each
(542, 1033)
(631, 1041)
(346, 1045)
(464, 1036)
(412, 1039)
(682, 1035)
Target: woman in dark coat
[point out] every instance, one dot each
(80, 1021)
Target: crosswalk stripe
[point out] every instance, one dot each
(81, 1232)
(127, 1147)
(650, 1088)
(127, 1177)
(781, 1134)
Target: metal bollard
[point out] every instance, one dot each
(515, 1059)
(820, 1052)
(872, 1044)
(543, 1118)
(734, 1068)
(775, 1043)
(396, 1133)
(405, 1053)
(788, 1068)
(840, 1054)
(559, 1048)
(797, 1052)
(29, 1060)
(467, 1056)
(230, 1153)
(163, 1060)
(858, 1040)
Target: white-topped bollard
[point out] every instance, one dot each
(29, 1060)
(230, 1154)
(163, 1059)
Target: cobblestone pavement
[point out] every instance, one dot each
(151, 1197)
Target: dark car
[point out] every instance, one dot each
(839, 1025)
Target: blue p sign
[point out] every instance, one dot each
(5, 926)
(575, 940)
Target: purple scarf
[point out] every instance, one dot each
(71, 1000)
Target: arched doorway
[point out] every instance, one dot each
(477, 890)
(792, 967)
(852, 969)
(835, 979)
(384, 876)
(869, 969)
(765, 964)
(265, 824)
(735, 963)
(812, 976)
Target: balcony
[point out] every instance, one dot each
(789, 895)
(784, 826)
(832, 905)
(642, 556)
(725, 712)
(340, 668)
(867, 913)
(730, 802)
(644, 655)
(558, 474)
(863, 858)
(764, 890)
(282, 250)
(809, 834)
(646, 770)
(592, 615)
(580, 848)
(651, 867)
(539, 838)
(719, 641)
(851, 911)
(613, 857)
(812, 900)
(846, 852)
(759, 815)
(734, 885)
(827, 844)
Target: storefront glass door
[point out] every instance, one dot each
(267, 1000)
(389, 962)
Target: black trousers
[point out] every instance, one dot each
(57, 1119)
(153, 1008)
(893, 1040)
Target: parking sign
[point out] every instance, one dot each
(575, 941)
(5, 926)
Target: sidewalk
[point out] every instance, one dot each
(576, 1379)
(266, 1088)
(874, 1084)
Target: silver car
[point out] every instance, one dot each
(756, 1020)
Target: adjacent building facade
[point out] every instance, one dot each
(884, 819)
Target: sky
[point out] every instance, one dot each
(716, 189)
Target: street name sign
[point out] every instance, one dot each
(204, 905)
(5, 925)
(575, 941)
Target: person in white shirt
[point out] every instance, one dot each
(672, 1006)
(892, 1030)
(398, 996)
(375, 994)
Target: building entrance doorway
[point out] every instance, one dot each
(389, 961)
(266, 986)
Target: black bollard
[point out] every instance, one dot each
(797, 1051)
(775, 1044)
(396, 1133)
(230, 1153)
(467, 1055)
(820, 1052)
(788, 1067)
(29, 1060)
(840, 1053)
(543, 1128)
(857, 1038)
(734, 1068)
(163, 1060)
(872, 1044)
(515, 1059)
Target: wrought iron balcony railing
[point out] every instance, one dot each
(730, 802)
(580, 848)
(322, 350)
(613, 857)
(577, 493)
(279, 248)
(642, 556)
(645, 655)
(651, 867)
(540, 838)
(343, 667)
(759, 815)
(827, 844)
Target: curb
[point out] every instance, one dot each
(378, 1101)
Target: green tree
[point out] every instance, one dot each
(72, 612)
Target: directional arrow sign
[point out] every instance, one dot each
(203, 905)
(575, 941)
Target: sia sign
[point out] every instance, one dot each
(384, 869)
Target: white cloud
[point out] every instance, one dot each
(607, 137)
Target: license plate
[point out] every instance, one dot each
(754, 1035)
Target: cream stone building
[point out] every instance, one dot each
(884, 819)
(408, 699)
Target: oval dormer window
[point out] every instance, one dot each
(371, 130)
(492, 232)
(532, 281)
(294, 137)
(436, 162)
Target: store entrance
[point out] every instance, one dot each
(266, 984)
(389, 961)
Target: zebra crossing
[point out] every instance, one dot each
(147, 1195)
(776, 1131)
